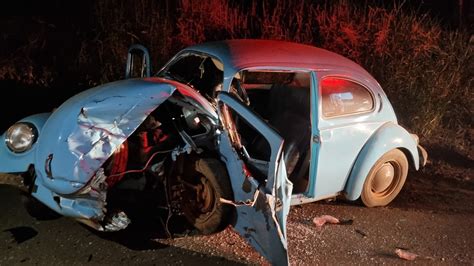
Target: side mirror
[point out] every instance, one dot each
(138, 62)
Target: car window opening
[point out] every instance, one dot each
(203, 73)
(283, 100)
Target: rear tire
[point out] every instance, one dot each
(202, 207)
(385, 179)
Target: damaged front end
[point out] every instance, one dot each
(158, 144)
(121, 137)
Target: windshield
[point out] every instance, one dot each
(201, 72)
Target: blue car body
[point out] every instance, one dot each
(76, 140)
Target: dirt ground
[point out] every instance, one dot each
(433, 217)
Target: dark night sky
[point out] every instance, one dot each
(71, 21)
(75, 12)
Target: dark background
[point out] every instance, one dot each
(44, 41)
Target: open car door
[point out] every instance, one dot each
(261, 189)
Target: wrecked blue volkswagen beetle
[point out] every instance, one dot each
(230, 132)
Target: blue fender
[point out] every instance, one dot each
(18, 162)
(86, 129)
(388, 137)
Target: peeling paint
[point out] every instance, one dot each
(246, 185)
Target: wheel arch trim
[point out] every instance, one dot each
(388, 137)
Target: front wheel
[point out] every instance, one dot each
(385, 179)
(205, 184)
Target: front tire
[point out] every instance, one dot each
(207, 182)
(385, 179)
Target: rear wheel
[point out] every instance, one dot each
(385, 179)
(205, 184)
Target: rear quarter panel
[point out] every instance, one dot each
(388, 137)
(342, 138)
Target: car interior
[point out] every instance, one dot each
(283, 100)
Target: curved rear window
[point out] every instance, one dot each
(344, 97)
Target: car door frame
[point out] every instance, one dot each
(308, 195)
(253, 201)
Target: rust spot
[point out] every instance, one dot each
(248, 232)
(246, 186)
(262, 205)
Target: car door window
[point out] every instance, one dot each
(344, 97)
(199, 71)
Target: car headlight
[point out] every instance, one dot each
(21, 136)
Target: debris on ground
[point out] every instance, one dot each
(360, 232)
(404, 254)
(321, 220)
(346, 221)
(324, 219)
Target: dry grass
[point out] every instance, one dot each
(22, 64)
(426, 71)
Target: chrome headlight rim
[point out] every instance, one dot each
(9, 138)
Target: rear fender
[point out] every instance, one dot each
(388, 137)
(19, 162)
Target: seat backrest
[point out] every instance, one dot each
(285, 98)
(290, 115)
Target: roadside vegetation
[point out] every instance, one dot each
(426, 69)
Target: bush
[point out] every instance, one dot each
(426, 70)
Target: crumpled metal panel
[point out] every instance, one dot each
(85, 131)
(261, 208)
(259, 220)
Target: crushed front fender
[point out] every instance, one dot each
(85, 131)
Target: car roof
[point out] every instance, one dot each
(246, 53)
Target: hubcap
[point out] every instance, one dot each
(383, 178)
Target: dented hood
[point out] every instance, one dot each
(86, 129)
